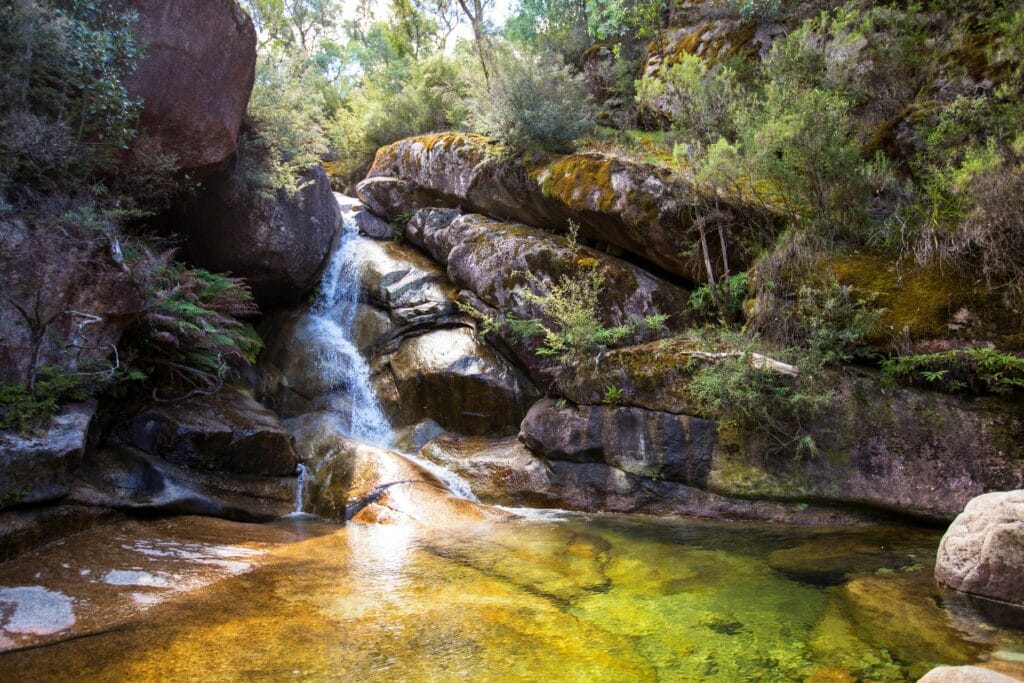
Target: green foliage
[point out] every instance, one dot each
(64, 112)
(976, 371)
(25, 410)
(425, 98)
(286, 110)
(190, 334)
(572, 328)
(777, 409)
(486, 324)
(613, 395)
(609, 19)
(759, 10)
(702, 303)
(532, 101)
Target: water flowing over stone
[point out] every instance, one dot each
(339, 361)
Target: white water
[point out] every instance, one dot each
(340, 363)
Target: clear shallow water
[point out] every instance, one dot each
(562, 598)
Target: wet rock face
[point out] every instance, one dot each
(279, 246)
(40, 466)
(348, 480)
(501, 471)
(195, 78)
(129, 479)
(449, 376)
(638, 208)
(228, 432)
(982, 553)
(646, 443)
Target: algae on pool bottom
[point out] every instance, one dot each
(579, 598)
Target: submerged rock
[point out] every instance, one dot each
(280, 245)
(982, 553)
(227, 432)
(194, 77)
(40, 466)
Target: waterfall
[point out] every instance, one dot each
(333, 314)
(339, 362)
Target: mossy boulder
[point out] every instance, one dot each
(499, 262)
(927, 309)
(639, 208)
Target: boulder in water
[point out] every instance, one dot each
(348, 480)
(982, 553)
(966, 674)
(131, 480)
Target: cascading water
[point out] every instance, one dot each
(339, 362)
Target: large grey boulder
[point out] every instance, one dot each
(639, 208)
(227, 432)
(194, 78)
(641, 442)
(280, 245)
(347, 480)
(131, 480)
(449, 376)
(40, 466)
(982, 552)
(498, 264)
(965, 674)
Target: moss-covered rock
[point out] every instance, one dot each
(640, 208)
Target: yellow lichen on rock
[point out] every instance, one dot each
(579, 181)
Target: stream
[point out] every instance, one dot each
(538, 595)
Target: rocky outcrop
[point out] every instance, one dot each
(491, 260)
(638, 208)
(348, 480)
(228, 432)
(982, 553)
(450, 377)
(67, 283)
(40, 466)
(24, 529)
(279, 245)
(131, 480)
(505, 472)
(641, 442)
(890, 449)
(194, 78)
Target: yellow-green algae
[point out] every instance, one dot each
(577, 598)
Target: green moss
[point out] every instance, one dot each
(923, 300)
(575, 180)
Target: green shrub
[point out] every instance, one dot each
(532, 101)
(776, 409)
(24, 410)
(977, 371)
(286, 111)
(64, 111)
(702, 302)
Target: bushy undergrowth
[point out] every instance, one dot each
(975, 371)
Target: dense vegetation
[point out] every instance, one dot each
(66, 120)
(884, 141)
